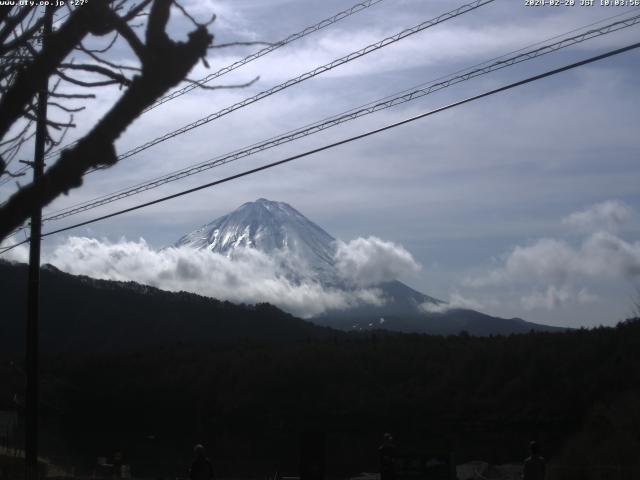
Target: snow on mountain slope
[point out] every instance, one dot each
(304, 250)
(307, 253)
(274, 228)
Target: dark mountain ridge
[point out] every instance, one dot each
(402, 313)
(79, 313)
(272, 227)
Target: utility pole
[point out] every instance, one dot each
(33, 296)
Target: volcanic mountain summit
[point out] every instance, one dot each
(278, 229)
(271, 227)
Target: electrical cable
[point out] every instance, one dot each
(358, 7)
(260, 53)
(25, 168)
(372, 107)
(307, 75)
(345, 141)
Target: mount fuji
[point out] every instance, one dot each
(272, 228)
(309, 253)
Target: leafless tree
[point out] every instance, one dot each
(26, 62)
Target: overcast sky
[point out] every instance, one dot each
(522, 204)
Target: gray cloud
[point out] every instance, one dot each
(249, 276)
(246, 276)
(448, 188)
(607, 215)
(556, 297)
(456, 300)
(551, 299)
(553, 272)
(17, 254)
(601, 255)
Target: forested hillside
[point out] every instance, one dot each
(82, 314)
(151, 373)
(576, 392)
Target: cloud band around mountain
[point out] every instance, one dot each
(246, 276)
(370, 261)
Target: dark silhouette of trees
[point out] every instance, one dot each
(129, 361)
(82, 314)
(26, 61)
(480, 397)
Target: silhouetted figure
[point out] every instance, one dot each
(116, 469)
(534, 465)
(201, 468)
(388, 451)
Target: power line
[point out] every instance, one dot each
(372, 107)
(19, 172)
(310, 74)
(291, 38)
(507, 62)
(260, 53)
(25, 168)
(358, 7)
(7, 249)
(301, 78)
(345, 141)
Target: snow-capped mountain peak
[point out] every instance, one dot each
(304, 253)
(269, 227)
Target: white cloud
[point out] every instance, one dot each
(456, 300)
(547, 258)
(553, 271)
(556, 297)
(458, 194)
(17, 254)
(229, 18)
(551, 299)
(369, 261)
(608, 215)
(584, 296)
(249, 276)
(601, 255)
(246, 276)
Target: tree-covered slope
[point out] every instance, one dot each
(83, 314)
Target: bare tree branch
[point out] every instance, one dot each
(66, 109)
(97, 69)
(54, 143)
(11, 174)
(99, 50)
(72, 95)
(165, 63)
(186, 14)
(106, 62)
(60, 44)
(82, 83)
(136, 10)
(220, 87)
(17, 137)
(51, 123)
(130, 36)
(13, 151)
(239, 44)
(12, 21)
(23, 38)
